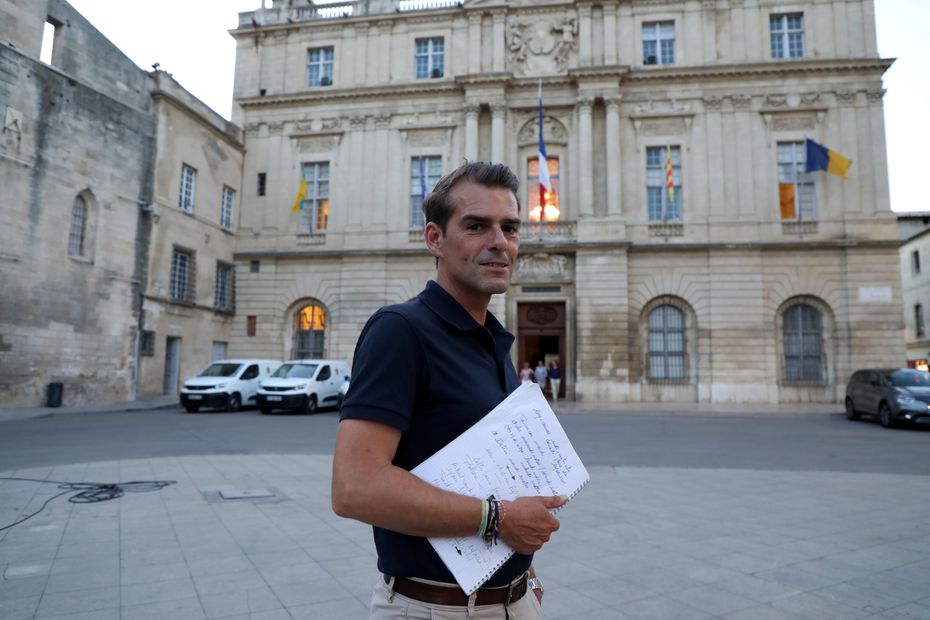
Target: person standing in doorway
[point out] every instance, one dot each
(400, 410)
(526, 373)
(541, 374)
(555, 378)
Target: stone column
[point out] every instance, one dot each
(610, 33)
(498, 113)
(585, 171)
(471, 131)
(612, 156)
(474, 43)
(584, 35)
(498, 43)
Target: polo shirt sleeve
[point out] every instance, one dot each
(388, 370)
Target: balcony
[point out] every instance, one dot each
(349, 8)
(547, 232)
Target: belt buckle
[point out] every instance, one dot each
(512, 587)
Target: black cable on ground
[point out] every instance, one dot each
(91, 492)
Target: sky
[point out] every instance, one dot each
(189, 39)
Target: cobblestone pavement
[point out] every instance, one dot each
(640, 543)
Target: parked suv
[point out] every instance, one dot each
(226, 384)
(894, 395)
(303, 386)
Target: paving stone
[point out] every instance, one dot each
(94, 599)
(170, 590)
(236, 602)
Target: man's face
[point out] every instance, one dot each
(479, 248)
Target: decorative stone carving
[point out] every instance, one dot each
(555, 132)
(537, 267)
(304, 126)
(383, 120)
(358, 122)
(498, 108)
(330, 124)
(876, 95)
(741, 102)
(661, 108)
(613, 101)
(713, 103)
(669, 127)
(793, 122)
(584, 103)
(426, 137)
(542, 46)
(846, 96)
(276, 129)
(776, 101)
(321, 144)
(810, 98)
(471, 108)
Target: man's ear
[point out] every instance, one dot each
(434, 237)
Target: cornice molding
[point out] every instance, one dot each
(775, 68)
(408, 89)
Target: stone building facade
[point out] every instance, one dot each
(750, 280)
(91, 149)
(914, 230)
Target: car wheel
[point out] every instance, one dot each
(234, 402)
(850, 410)
(310, 407)
(265, 410)
(192, 408)
(884, 412)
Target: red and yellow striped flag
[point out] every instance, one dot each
(669, 177)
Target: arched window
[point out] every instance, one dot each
(667, 352)
(78, 232)
(309, 331)
(803, 334)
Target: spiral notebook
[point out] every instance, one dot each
(517, 449)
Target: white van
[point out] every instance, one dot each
(226, 384)
(303, 386)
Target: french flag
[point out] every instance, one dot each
(545, 186)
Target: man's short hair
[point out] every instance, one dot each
(438, 207)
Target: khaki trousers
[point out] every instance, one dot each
(388, 605)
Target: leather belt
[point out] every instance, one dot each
(439, 595)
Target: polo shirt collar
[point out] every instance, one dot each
(451, 311)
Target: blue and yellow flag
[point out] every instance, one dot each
(820, 157)
(301, 195)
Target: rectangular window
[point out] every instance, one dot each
(429, 58)
(182, 275)
(261, 184)
(320, 66)
(425, 172)
(223, 298)
(787, 35)
(251, 325)
(551, 200)
(254, 266)
(188, 186)
(78, 226)
(659, 43)
(915, 262)
(663, 204)
(919, 320)
(314, 210)
(795, 186)
(147, 344)
(48, 41)
(226, 212)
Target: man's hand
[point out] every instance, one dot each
(528, 524)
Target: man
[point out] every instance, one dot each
(407, 401)
(541, 374)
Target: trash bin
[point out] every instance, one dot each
(54, 395)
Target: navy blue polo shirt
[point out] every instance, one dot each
(429, 369)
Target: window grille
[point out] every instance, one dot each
(314, 211)
(78, 227)
(659, 43)
(188, 186)
(425, 172)
(802, 333)
(181, 287)
(429, 58)
(662, 207)
(787, 35)
(147, 344)
(667, 353)
(792, 158)
(320, 66)
(226, 211)
(224, 294)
